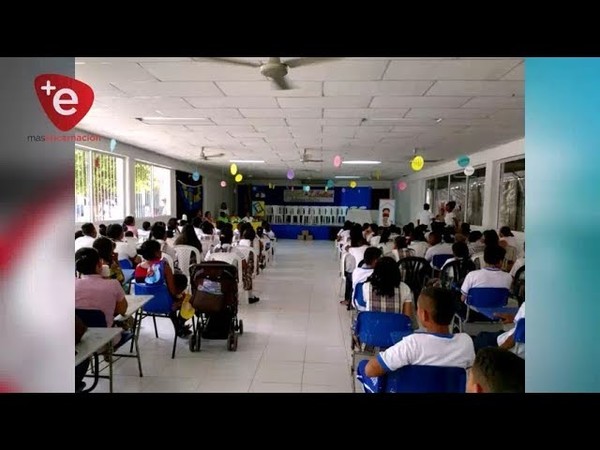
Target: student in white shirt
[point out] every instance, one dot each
(503, 339)
(248, 218)
(475, 244)
(435, 347)
(425, 217)
(385, 292)
(356, 249)
(437, 247)
(88, 238)
(496, 371)
(418, 243)
(520, 262)
(144, 232)
(122, 248)
(450, 217)
(507, 237)
(159, 233)
(361, 273)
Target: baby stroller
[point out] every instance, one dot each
(215, 300)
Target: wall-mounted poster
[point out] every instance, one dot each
(312, 196)
(258, 209)
(387, 212)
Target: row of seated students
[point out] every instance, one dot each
(383, 290)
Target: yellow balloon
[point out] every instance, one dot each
(417, 163)
(353, 184)
(233, 169)
(238, 177)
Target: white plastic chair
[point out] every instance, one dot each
(343, 273)
(269, 212)
(246, 252)
(184, 255)
(229, 258)
(477, 258)
(291, 212)
(169, 259)
(325, 215)
(278, 214)
(341, 215)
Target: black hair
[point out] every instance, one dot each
(465, 228)
(490, 237)
(207, 228)
(86, 261)
(436, 236)
(438, 227)
(158, 231)
(79, 234)
(426, 207)
(417, 235)
(102, 229)
(226, 235)
(505, 231)
(180, 281)
(129, 234)
(223, 205)
(183, 222)
(146, 226)
(500, 370)
(400, 242)
(114, 231)
(207, 213)
(105, 248)
(493, 254)
(150, 249)
(222, 214)
(266, 226)
(385, 235)
(259, 232)
(249, 233)
(170, 233)
(129, 220)
(188, 236)
(448, 235)
(451, 205)
(460, 250)
(197, 222)
(172, 222)
(371, 254)
(475, 236)
(385, 209)
(88, 229)
(365, 226)
(374, 228)
(347, 225)
(356, 237)
(441, 304)
(385, 277)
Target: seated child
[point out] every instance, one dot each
(496, 370)
(435, 347)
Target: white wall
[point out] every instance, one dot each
(338, 183)
(213, 193)
(410, 201)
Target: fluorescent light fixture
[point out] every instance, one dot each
(438, 120)
(247, 161)
(347, 177)
(387, 119)
(171, 120)
(361, 162)
(79, 63)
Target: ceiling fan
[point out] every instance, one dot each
(307, 159)
(274, 69)
(205, 157)
(416, 152)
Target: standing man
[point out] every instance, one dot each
(425, 217)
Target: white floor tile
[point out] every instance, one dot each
(168, 384)
(326, 374)
(323, 389)
(263, 387)
(223, 386)
(280, 372)
(326, 354)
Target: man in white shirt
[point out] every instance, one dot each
(425, 217)
(488, 277)
(437, 247)
(360, 274)
(88, 238)
(435, 347)
(247, 218)
(122, 248)
(450, 217)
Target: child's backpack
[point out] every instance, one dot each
(155, 273)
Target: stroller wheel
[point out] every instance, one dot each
(241, 326)
(232, 342)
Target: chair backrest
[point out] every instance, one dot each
(455, 272)
(519, 285)
(375, 328)
(169, 260)
(184, 255)
(93, 318)
(415, 272)
(477, 258)
(519, 334)
(229, 258)
(160, 303)
(358, 295)
(488, 297)
(425, 379)
(343, 264)
(439, 260)
(125, 264)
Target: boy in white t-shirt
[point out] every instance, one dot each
(435, 347)
(497, 371)
(425, 217)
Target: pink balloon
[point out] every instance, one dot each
(337, 161)
(402, 185)
(223, 183)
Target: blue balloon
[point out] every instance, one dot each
(463, 161)
(113, 144)
(306, 188)
(330, 183)
(196, 176)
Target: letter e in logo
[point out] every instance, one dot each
(65, 100)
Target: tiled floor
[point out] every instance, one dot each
(296, 339)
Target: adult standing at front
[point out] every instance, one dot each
(450, 217)
(224, 209)
(425, 217)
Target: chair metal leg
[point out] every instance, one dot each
(155, 329)
(174, 346)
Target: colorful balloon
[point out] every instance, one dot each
(463, 161)
(337, 161)
(238, 177)
(233, 169)
(330, 184)
(417, 163)
(469, 171)
(113, 144)
(196, 176)
(353, 184)
(290, 174)
(306, 188)
(402, 185)
(223, 183)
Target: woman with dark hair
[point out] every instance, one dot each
(106, 250)
(418, 244)
(94, 292)
(129, 225)
(188, 237)
(385, 243)
(384, 290)
(356, 251)
(491, 238)
(172, 226)
(102, 229)
(400, 249)
(507, 238)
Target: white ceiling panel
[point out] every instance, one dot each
(495, 102)
(282, 132)
(265, 88)
(425, 101)
(202, 71)
(365, 113)
(268, 122)
(518, 73)
(279, 112)
(349, 122)
(345, 70)
(209, 113)
(340, 131)
(444, 113)
(169, 89)
(136, 59)
(100, 74)
(325, 102)
(372, 88)
(463, 69)
(232, 102)
(474, 88)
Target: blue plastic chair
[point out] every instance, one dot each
(439, 260)
(160, 305)
(415, 379)
(126, 264)
(519, 334)
(488, 301)
(375, 328)
(357, 296)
